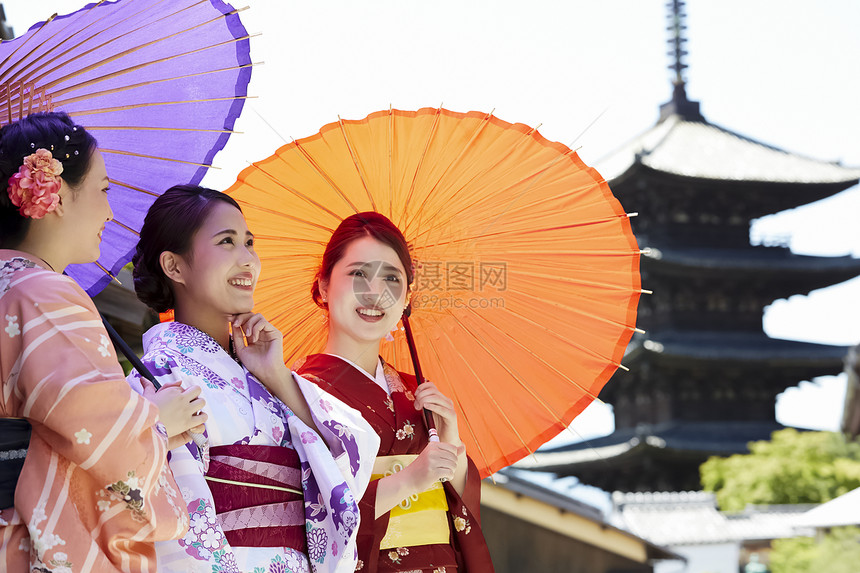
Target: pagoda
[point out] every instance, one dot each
(704, 377)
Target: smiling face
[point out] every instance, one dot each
(218, 274)
(87, 210)
(366, 292)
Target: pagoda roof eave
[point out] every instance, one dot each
(719, 155)
(730, 347)
(811, 190)
(756, 260)
(670, 440)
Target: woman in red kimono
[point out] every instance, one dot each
(422, 511)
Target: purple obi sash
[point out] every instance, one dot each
(258, 498)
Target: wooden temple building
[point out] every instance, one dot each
(704, 378)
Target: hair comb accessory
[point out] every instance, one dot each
(34, 188)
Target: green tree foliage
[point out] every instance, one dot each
(794, 555)
(838, 552)
(793, 467)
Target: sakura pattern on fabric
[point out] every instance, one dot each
(335, 466)
(94, 493)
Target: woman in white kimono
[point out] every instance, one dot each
(272, 484)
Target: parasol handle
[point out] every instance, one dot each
(132, 357)
(413, 352)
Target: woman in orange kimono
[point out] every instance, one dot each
(95, 491)
(421, 514)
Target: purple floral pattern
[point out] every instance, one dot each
(242, 411)
(189, 338)
(346, 511)
(347, 441)
(317, 542)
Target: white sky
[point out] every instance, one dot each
(785, 72)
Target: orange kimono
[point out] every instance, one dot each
(95, 491)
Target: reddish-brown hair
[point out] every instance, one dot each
(354, 227)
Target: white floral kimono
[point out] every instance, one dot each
(329, 475)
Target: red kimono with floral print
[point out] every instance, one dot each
(402, 430)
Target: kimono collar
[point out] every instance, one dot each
(9, 254)
(379, 379)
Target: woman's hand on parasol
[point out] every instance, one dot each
(445, 418)
(438, 461)
(444, 415)
(180, 410)
(260, 347)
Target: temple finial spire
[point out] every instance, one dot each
(679, 104)
(677, 26)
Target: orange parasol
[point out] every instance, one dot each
(527, 272)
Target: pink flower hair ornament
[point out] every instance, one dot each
(34, 188)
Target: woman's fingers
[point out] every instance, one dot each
(432, 399)
(202, 418)
(437, 461)
(441, 407)
(255, 328)
(239, 319)
(149, 392)
(444, 456)
(243, 328)
(192, 402)
(192, 397)
(191, 393)
(429, 392)
(238, 339)
(249, 328)
(179, 408)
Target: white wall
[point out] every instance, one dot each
(714, 558)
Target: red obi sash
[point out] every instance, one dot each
(258, 498)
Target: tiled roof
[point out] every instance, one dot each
(692, 518)
(702, 150)
(669, 519)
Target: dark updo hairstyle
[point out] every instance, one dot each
(170, 225)
(354, 227)
(19, 139)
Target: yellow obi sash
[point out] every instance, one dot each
(421, 519)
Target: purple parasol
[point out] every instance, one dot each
(159, 83)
